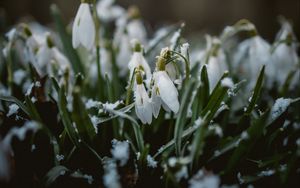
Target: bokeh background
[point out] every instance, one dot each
(200, 15)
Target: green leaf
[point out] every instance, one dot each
(66, 40)
(16, 101)
(65, 116)
(215, 99)
(257, 91)
(246, 144)
(81, 118)
(136, 127)
(180, 121)
(53, 174)
(33, 113)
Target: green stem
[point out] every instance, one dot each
(10, 71)
(187, 64)
(97, 44)
(129, 89)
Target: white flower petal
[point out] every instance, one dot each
(87, 27)
(167, 91)
(76, 25)
(155, 102)
(143, 106)
(60, 58)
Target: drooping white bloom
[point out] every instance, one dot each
(285, 56)
(216, 64)
(171, 70)
(166, 90)
(251, 55)
(128, 28)
(107, 11)
(83, 27)
(48, 55)
(124, 55)
(136, 30)
(143, 108)
(138, 61)
(285, 60)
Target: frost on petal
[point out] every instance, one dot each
(87, 27)
(167, 91)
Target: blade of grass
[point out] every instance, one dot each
(16, 101)
(180, 121)
(81, 118)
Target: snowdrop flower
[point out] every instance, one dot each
(135, 27)
(32, 45)
(83, 27)
(251, 55)
(128, 27)
(286, 30)
(107, 11)
(143, 108)
(285, 60)
(138, 61)
(164, 91)
(216, 64)
(49, 55)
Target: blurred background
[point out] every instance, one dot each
(208, 16)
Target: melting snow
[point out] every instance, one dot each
(13, 109)
(151, 162)
(111, 177)
(202, 180)
(227, 82)
(279, 107)
(120, 151)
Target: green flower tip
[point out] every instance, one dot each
(289, 39)
(86, 1)
(27, 30)
(50, 42)
(137, 47)
(161, 63)
(138, 77)
(134, 12)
